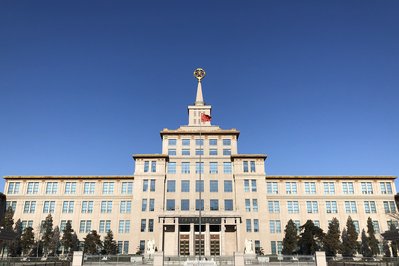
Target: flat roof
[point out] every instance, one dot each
(69, 177)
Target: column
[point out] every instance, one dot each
(207, 240)
(192, 240)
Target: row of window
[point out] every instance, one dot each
(199, 142)
(198, 152)
(329, 188)
(199, 204)
(199, 168)
(199, 186)
(70, 188)
(85, 226)
(330, 206)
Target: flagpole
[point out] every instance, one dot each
(200, 189)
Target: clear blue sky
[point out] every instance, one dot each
(86, 84)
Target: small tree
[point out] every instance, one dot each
(290, 241)
(310, 240)
(110, 246)
(14, 248)
(67, 237)
(27, 241)
(75, 242)
(387, 251)
(349, 239)
(332, 243)
(372, 240)
(55, 241)
(364, 246)
(394, 243)
(47, 229)
(93, 243)
(8, 221)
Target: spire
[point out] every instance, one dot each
(199, 73)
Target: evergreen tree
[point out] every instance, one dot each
(47, 229)
(332, 243)
(55, 241)
(290, 241)
(387, 251)
(364, 246)
(110, 246)
(27, 241)
(310, 240)
(349, 239)
(373, 242)
(15, 249)
(93, 243)
(67, 238)
(75, 242)
(394, 243)
(8, 221)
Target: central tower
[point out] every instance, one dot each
(199, 107)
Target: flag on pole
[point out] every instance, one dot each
(205, 118)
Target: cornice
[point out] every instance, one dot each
(70, 177)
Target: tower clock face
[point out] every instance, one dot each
(199, 73)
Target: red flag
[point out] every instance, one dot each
(205, 118)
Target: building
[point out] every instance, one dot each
(158, 208)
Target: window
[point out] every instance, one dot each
(170, 205)
(386, 188)
(126, 206)
(145, 185)
(298, 224)
(152, 185)
(143, 225)
(310, 187)
(185, 205)
(153, 166)
(172, 152)
(172, 168)
(247, 205)
(227, 168)
(226, 152)
(185, 152)
(152, 204)
(367, 188)
(48, 207)
(369, 207)
(291, 187)
(214, 204)
(293, 207)
(146, 166)
(213, 152)
(33, 188)
(394, 223)
(199, 185)
(272, 187)
(85, 226)
(67, 206)
(256, 225)
(127, 188)
(356, 223)
(376, 227)
(273, 206)
(87, 206)
(29, 206)
(228, 204)
(108, 187)
(171, 186)
(389, 207)
(12, 204)
(172, 142)
(142, 246)
(106, 206)
(347, 188)
(253, 185)
(213, 142)
(185, 168)
(226, 142)
(312, 207)
(26, 224)
(199, 204)
(124, 226)
(350, 207)
(88, 188)
(214, 187)
(51, 188)
(316, 223)
(150, 225)
(199, 152)
(185, 142)
(331, 207)
(255, 205)
(63, 224)
(246, 185)
(228, 186)
(144, 205)
(329, 188)
(252, 164)
(245, 166)
(248, 225)
(277, 247)
(105, 226)
(199, 142)
(185, 186)
(13, 187)
(213, 167)
(275, 226)
(70, 187)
